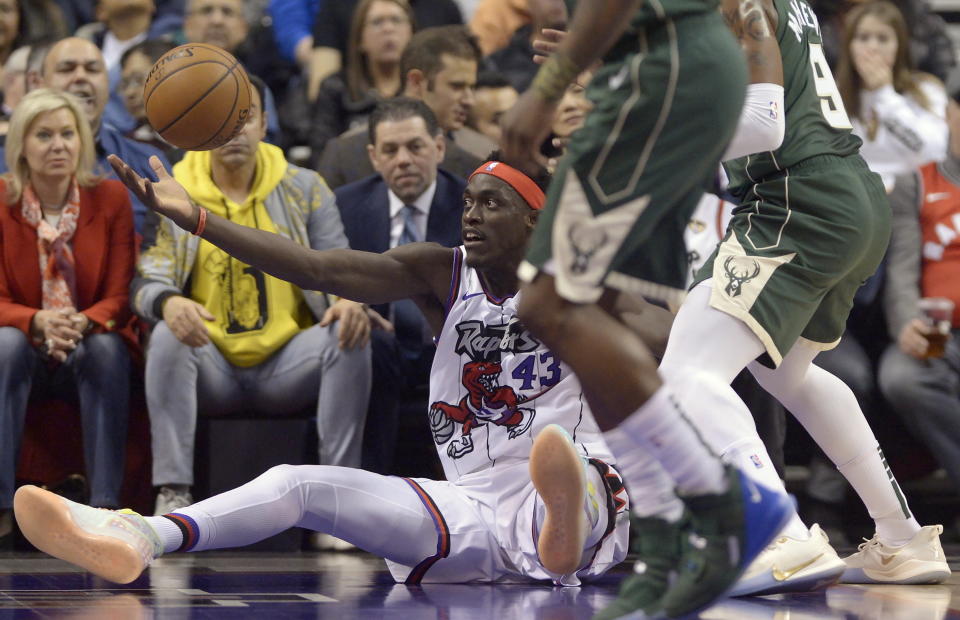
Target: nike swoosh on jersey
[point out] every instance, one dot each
(783, 575)
(935, 196)
(467, 296)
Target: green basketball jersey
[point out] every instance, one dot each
(652, 11)
(816, 122)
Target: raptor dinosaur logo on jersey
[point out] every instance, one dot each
(488, 401)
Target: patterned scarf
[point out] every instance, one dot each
(57, 267)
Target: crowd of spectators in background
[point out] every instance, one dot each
(368, 117)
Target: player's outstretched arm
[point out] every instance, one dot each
(360, 276)
(595, 27)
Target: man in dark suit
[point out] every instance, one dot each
(409, 199)
(439, 67)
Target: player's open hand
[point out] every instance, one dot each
(354, 329)
(186, 319)
(165, 196)
(525, 127)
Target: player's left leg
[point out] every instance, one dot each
(901, 551)
(380, 514)
(706, 350)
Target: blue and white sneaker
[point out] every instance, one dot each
(727, 531)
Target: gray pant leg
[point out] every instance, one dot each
(177, 377)
(311, 363)
(926, 394)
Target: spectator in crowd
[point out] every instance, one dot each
(225, 23)
(924, 261)
(379, 32)
(37, 54)
(515, 59)
(14, 84)
(930, 44)
(135, 65)
(66, 260)
(76, 66)
(24, 22)
(494, 22)
(332, 27)
(569, 117)
(408, 199)
(896, 111)
(78, 13)
(120, 25)
(293, 28)
(494, 95)
(246, 341)
(439, 66)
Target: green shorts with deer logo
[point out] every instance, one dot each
(621, 198)
(797, 249)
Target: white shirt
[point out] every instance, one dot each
(422, 205)
(113, 48)
(908, 134)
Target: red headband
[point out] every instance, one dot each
(524, 185)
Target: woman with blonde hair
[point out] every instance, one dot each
(898, 112)
(66, 260)
(379, 32)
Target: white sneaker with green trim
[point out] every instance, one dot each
(114, 544)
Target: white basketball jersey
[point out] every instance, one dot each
(493, 386)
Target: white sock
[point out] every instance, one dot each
(666, 431)
(650, 487)
(827, 408)
(750, 456)
(170, 535)
(887, 506)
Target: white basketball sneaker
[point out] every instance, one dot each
(919, 561)
(114, 544)
(792, 565)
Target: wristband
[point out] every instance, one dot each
(555, 76)
(201, 222)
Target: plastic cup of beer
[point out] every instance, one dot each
(937, 313)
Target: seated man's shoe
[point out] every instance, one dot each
(792, 565)
(919, 561)
(171, 500)
(114, 545)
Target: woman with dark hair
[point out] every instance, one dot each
(897, 111)
(379, 32)
(66, 261)
(135, 65)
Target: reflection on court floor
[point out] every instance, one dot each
(347, 586)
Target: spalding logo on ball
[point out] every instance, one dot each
(197, 97)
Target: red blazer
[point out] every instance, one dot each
(103, 249)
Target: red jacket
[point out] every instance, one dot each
(103, 249)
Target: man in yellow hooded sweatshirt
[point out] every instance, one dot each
(241, 339)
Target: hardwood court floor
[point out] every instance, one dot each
(348, 586)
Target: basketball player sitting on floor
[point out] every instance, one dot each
(502, 406)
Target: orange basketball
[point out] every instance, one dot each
(197, 96)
